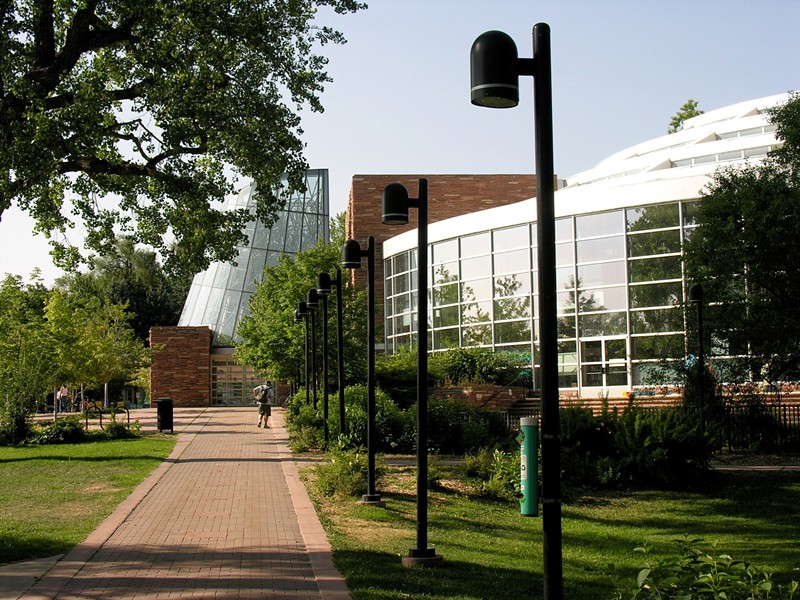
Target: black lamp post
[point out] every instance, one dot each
(696, 298)
(312, 302)
(351, 259)
(324, 285)
(324, 295)
(495, 70)
(302, 312)
(395, 212)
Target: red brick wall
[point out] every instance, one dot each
(448, 196)
(181, 369)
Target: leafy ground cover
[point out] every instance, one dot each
(53, 496)
(491, 552)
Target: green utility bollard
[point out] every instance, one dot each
(529, 466)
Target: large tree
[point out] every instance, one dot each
(134, 277)
(141, 114)
(746, 253)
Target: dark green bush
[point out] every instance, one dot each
(15, 426)
(396, 374)
(637, 447)
(465, 366)
(67, 430)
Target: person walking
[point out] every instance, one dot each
(265, 397)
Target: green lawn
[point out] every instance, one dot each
(491, 552)
(52, 497)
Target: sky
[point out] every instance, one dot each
(400, 102)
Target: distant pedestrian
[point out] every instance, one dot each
(63, 399)
(265, 397)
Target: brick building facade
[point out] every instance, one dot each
(181, 369)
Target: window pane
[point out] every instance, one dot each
(655, 269)
(446, 294)
(510, 238)
(566, 302)
(401, 262)
(473, 245)
(615, 298)
(566, 327)
(564, 231)
(472, 268)
(565, 254)
(512, 308)
(512, 285)
(652, 217)
(602, 324)
(655, 347)
(478, 289)
(445, 338)
(445, 317)
(511, 262)
(402, 304)
(512, 332)
(445, 273)
(477, 335)
(656, 321)
(476, 312)
(445, 252)
(602, 274)
(607, 223)
(690, 213)
(655, 242)
(656, 294)
(601, 249)
(565, 278)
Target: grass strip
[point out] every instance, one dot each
(52, 497)
(491, 552)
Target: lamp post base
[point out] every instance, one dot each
(422, 557)
(372, 500)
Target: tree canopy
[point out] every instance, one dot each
(746, 254)
(687, 111)
(140, 116)
(134, 277)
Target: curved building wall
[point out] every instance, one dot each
(620, 230)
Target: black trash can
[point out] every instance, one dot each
(164, 414)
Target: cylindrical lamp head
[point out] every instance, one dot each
(696, 293)
(493, 71)
(312, 299)
(351, 255)
(323, 284)
(297, 317)
(302, 309)
(395, 204)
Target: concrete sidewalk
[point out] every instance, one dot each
(225, 516)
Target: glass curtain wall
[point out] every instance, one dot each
(620, 291)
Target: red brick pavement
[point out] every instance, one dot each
(225, 516)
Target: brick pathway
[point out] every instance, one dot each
(225, 516)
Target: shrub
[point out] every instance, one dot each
(15, 427)
(457, 428)
(497, 473)
(641, 447)
(344, 473)
(116, 430)
(464, 366)
(67, 430)
(694, 573)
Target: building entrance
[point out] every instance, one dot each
(604, 365)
